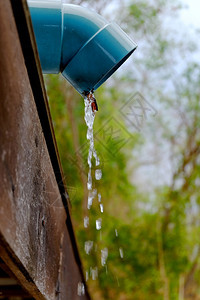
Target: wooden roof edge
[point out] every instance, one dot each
(32, 62)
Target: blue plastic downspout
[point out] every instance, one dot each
(79, 43)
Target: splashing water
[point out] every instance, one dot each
(89, 120)
(90, 110)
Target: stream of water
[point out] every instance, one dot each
(90, 111)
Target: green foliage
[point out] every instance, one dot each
(158, 230)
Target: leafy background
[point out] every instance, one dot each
(150, 158)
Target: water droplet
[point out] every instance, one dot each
(89, 114)
(89, 119)
(101, 207)
(92, 194)
(88, 246)
(81, 289)
(94, 273)
(86, 222)
(121, 252)
(99, 197)
(89, 183)
(89, 186)
(97, 160)
(98, 223)
(98, 174)
(90, 199)
(104, 256)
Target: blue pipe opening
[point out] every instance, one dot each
(79, 43)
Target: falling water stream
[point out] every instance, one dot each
(90, 110)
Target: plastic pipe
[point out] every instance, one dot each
(79, 43)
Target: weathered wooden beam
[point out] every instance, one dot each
(9, 286)
(6, 281)
(37, 240)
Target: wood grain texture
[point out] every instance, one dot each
(35, 241)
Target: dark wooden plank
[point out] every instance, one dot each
(6, 281)
(29, 48)
(31, 58)
(35, 239)
(13, 291)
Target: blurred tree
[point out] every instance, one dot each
(157, 219)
